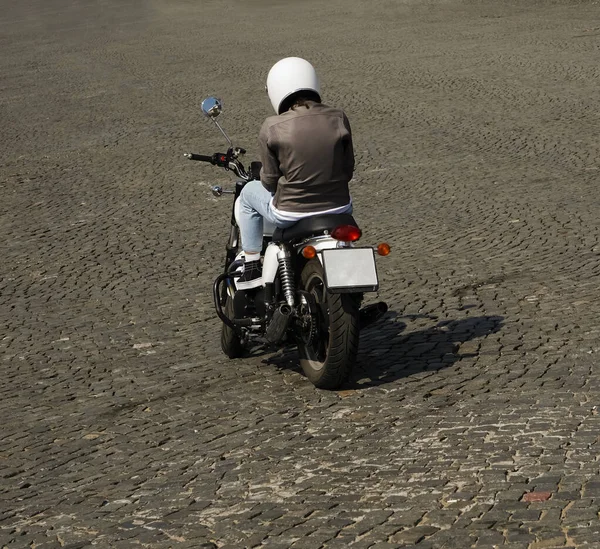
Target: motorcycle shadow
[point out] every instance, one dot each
(387, 354)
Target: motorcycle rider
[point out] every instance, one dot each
(307, 162)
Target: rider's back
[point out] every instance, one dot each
(308, 158)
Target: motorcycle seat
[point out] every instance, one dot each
(312, 226)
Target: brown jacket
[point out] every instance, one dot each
(307, 158)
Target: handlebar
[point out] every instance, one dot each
(199, 157)
(218, 159)
(229, 161)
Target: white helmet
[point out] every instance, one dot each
(289, 76)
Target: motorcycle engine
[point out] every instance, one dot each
(259, 302)
(249, 303)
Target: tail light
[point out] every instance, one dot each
(346, 233)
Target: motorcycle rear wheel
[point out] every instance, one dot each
(329, 355)
(231, 344)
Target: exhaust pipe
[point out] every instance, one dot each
(279, 324)
(371, 313)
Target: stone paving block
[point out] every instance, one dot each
(489, 538)
(526, 515)
(413, 535)
(406, 518)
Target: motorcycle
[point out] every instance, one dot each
(314, 279)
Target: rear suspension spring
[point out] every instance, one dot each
(287, 279)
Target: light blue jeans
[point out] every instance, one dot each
(252, 209)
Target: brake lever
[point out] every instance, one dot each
(239, 170)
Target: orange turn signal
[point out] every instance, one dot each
(384, 249)
(309, 252)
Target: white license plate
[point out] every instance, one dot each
(350, 270)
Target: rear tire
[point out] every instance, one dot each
(329, 356)
(231, 344)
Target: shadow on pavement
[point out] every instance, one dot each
(386, 354)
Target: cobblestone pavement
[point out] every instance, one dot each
(472, 419)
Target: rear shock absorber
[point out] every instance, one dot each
(286, 274)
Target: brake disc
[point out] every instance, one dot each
(309, 321)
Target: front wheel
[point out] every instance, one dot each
(329, 341)
(231, 344)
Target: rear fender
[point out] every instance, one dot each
(319, 243)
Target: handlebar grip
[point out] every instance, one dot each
(199, 157)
